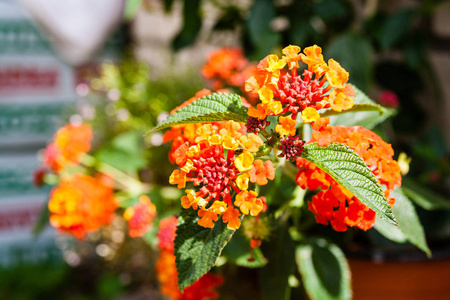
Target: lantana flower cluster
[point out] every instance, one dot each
(82, 203)
(215, 174)
(69, 144)
(334, 204)
(140, 217)
(286, 93)
(227, 67)
(203, 289)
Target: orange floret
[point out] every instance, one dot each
(232, 217)
(292, 56)
(248, 203)
(336, 75)
(207, 218)
(285, 126)
(261, 171)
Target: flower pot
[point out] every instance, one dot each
(427, 279)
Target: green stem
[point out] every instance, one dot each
(133, 185)
(265, 134)
(289, 169)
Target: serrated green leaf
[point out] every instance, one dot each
(350, 171)
(197, 248)
(408, 221)
(365, 113)
(211, 108)
(324, 269)
(423, 197)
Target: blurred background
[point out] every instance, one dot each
(122, 64)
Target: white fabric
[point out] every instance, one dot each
(76, 28)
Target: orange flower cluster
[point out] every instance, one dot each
(68, 146)
(81, 204)
(335, 204)
(140, 216)
(322, 85)
(218, 176)
(225, 67)
(228, 67)
(204, 288)
(179, 134)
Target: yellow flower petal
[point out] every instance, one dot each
(244, 161)
(309, 115)
(265, 94)
(242, 181)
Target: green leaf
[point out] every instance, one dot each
(255, 260)
(125, 152)
(355, 54)
(332, 10)
(350, 171)
(396, 27)
(211, 108)
(273, 278)
(300, 29)
(324, 269)
(131, 8)
(192, 23)
(424, 197)
(197, 248)
(258, 25)
(365, 113)
(42, 220)
(389, 231)
(408, 221)
(238, 251)
(355, 108)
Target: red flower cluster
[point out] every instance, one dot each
(335, 204)
(204, 288)
(81, 204)
(140, 216)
